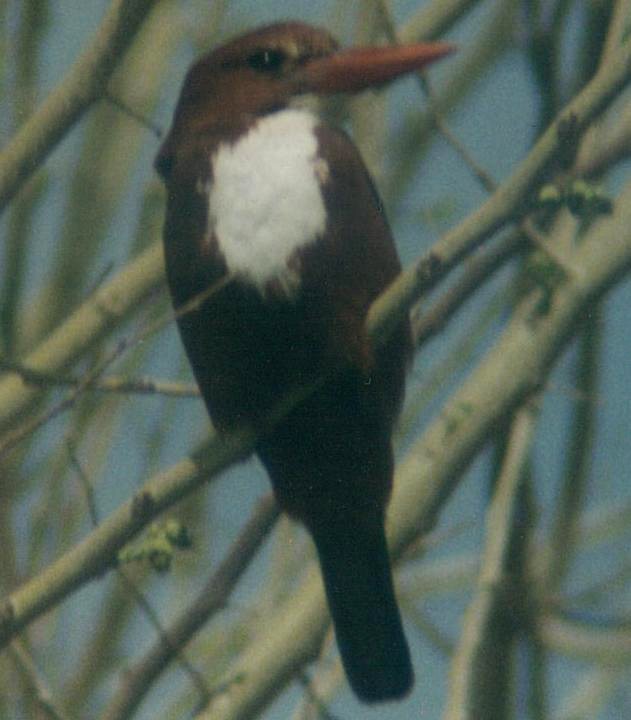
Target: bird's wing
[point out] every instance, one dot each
(354, 263)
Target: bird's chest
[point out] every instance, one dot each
(264, 200)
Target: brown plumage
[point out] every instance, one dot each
(330, 459)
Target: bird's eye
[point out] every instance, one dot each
(267, 60)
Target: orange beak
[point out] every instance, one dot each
(360, 68)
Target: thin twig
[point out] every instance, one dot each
(195, 676)
(315, 700)
(324, 681)
(480, 669)
(604, 643)
(141, 119)
(86, 485)
(482, 176)
(39, 689)
(478, 171)
(570, 502)
(140, 677)
(94, 319)
(427, 323)
(137, 386)
(538, 241)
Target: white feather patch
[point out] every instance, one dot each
(265, 200)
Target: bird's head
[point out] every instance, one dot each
(271, 67)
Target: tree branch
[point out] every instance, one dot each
(97, 317)
(84, 84)
(139, 678)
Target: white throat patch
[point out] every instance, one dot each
(265, 200)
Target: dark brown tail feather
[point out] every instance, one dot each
(358, 583)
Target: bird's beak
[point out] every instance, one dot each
(356, 69)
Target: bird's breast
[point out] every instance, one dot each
(265, 201)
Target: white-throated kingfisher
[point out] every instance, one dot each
(266, 195)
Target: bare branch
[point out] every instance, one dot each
(84, 84)
(110, 384)
(139, 678)
(99, 315)
(39, 688)
(478, 678)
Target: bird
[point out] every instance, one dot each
(273, 224)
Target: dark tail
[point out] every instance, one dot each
(358, 583)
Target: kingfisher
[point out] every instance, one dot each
(273, 208)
